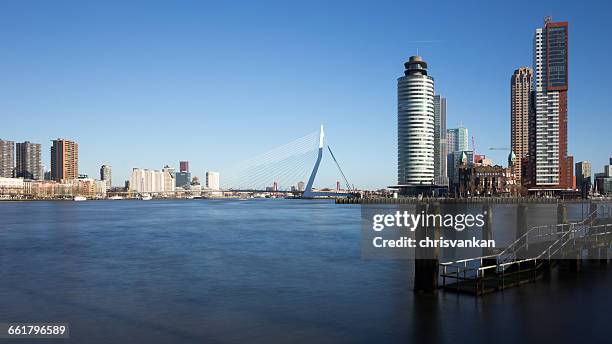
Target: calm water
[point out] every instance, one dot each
(254, 271)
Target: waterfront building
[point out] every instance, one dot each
(183, 179)
(212, 180)
(169, 178)
(455, 160)
(102, 186)
(485, 180)
(415, 126)
(11, 186)
(142, 180)
(440, 141)
(86, 187)
(27, 161)
(151, 181)
(521, 91)
(300, 186)
(7, 158)
(64, 160)
(553, 168)
(106, 175)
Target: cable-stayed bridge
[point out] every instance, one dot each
(291, 167)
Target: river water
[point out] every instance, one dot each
(231, 271)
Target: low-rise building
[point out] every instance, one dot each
(11, 186)
(486, 180)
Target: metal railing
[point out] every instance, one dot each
(481, 270)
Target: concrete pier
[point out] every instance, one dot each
(426, 260)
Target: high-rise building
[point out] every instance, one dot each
(184, 166)
(415, 125)
(457, 139)
(440, 141)
(7, 160)
(144, 180)
(521, 87)
(183, 179)
(583, 176)
(548, 145)
(169, 178)
(300, 186)
(106, 175)
(64, 160)
(27, 161)
(212, 180)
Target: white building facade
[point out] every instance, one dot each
(212, 180)
(415, 124)
(151, 181)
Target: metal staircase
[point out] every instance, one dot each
(529, 257)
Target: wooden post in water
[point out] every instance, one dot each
(487, 234)
(561, 213)
(592, 209)
(426, 259)
(521, 220)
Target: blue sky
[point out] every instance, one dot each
(144, 84)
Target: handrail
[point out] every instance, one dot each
(506, 263)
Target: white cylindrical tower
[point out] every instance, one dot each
(415, 124)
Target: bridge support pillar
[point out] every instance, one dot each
(426, 260)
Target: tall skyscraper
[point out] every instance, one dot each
(548, 146)
(457, 139)
(184, 166)
(7, 161)
(583, 175)
(106, 175)
(64, 160)
(521, 87)
(415, 124)
(212, 180)
(440, 141)
(27, 161)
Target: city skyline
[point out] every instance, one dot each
(113, 87)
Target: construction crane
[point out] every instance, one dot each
(500, 148)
